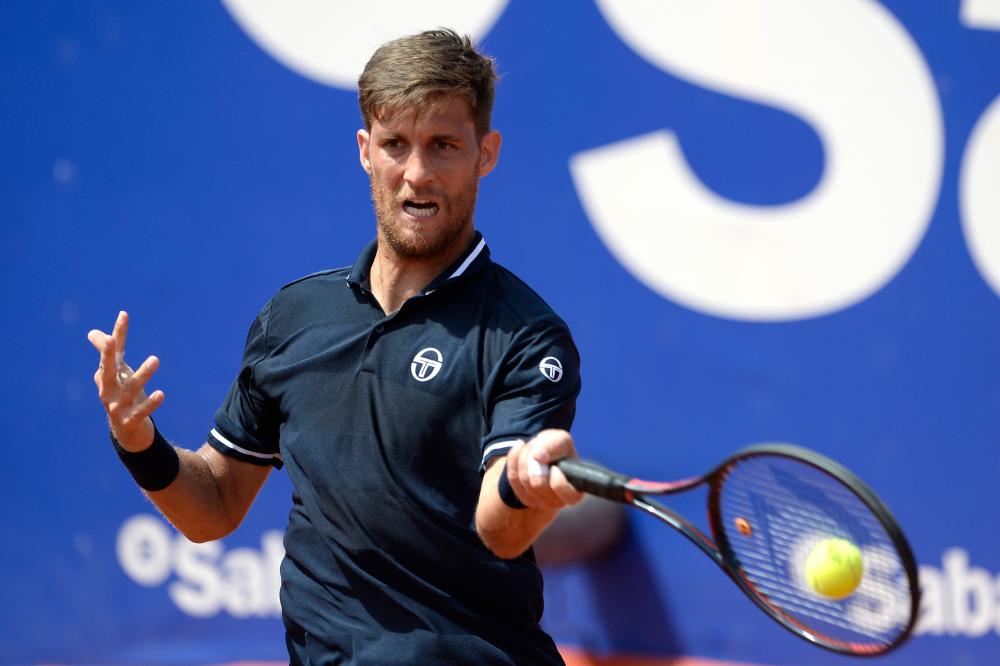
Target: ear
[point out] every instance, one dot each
(363, 140)
(489, 152)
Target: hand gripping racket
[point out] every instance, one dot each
(769, 507)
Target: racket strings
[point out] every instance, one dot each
(774, 511)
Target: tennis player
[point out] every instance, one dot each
(414, 399)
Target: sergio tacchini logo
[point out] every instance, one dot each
(426, 364)
(552, 368)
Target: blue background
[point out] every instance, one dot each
(155, 159)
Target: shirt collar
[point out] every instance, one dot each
(473, 259)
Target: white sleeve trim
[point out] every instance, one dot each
(497, 446)
(222, 440)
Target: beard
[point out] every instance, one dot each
(416, 239)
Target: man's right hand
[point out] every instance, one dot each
(121, 389)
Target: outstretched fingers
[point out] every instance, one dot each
(122, 390)
(134, 382)
(120, 333)
(139, 412)
(106, 376)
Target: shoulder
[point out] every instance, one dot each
(310, 286)
(317, 279)
(304, 296)
(524, 325)
(515, 300)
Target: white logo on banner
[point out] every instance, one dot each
(958, 599)
(209, 579)
(874, 108)
(981, 14)
(979, 196)
(551, 368)
(330, 41)
(426, 364)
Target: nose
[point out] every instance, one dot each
(419, 171)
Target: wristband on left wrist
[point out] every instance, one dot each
(153, 468)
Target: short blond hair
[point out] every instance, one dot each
(418, 70)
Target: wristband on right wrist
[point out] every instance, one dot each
(506, 491)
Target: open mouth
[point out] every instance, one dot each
(420, 207)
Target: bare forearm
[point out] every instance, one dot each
(509, 531)
(506, 531)
(195, 502)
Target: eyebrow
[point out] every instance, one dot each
(399, 136)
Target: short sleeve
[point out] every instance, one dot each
(536, 388)
(246, 424)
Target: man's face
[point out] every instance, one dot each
(424, 166)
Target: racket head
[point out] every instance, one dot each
(770, 504)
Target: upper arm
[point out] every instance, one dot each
(249, 419)
(534, 387)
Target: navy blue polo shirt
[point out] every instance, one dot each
(384, 424)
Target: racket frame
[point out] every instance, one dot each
(717, 547)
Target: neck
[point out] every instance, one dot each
(395, 278)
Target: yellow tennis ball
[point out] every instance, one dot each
(834, 568)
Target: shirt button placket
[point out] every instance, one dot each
(366, 363)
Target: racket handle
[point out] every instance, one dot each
(593, 479)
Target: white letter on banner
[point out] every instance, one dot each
(981, 14)
(243, 572)
(979, 194)
(972, 595)
(145, 550)
(846, 67)
(330, 41)
(199, 590)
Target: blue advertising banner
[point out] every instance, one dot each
(763, 220)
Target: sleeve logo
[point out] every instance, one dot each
(426, 364)
(551, 368)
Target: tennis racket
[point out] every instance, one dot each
(769, 506)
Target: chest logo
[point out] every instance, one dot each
(551, 368)
(426, 364)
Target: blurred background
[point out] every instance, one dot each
(764, 220)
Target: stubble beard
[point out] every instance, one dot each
(423, 240)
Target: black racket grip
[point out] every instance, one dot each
(593, 479)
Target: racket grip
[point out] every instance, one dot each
(593, 479)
